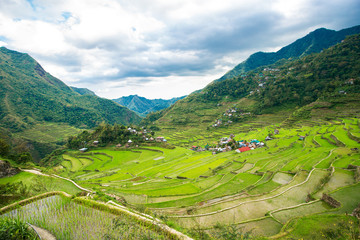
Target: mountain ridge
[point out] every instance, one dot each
(331, 74)
(313, 42)
(144, 106)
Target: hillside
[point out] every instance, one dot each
(144, 106)
(31, 98)
(314, 42)
(83, 91)
(271, 94)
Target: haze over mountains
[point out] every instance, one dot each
(144, 106)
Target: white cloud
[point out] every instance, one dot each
(158, 48)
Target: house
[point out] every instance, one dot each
(151, 139)
(160, 139)
(194, 148)
(301, 137)
(244, 149)
(130, 141)
(83, 149)
(118, 145)
(95, 143)
(268, 138)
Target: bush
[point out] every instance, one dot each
(14, 229)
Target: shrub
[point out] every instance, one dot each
(14, 229)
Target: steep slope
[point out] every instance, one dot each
(331, 76)
(83, 91)
(144, 106)
(29, 93)
(314, 42)
(38, 111)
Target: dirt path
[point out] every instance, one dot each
(43, 233)
(34, 171)
(152, 220)
(141, 216)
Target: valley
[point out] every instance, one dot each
(272, 153)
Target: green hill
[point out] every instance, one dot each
(31, 98)
(83, 91)
(144, 106)
(329, 79)
(314, 42)
(30, 93)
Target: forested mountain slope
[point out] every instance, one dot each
(314, 42)
(331, 74)
(29, 94)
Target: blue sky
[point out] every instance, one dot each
(158, 48)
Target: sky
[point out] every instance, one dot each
(158, 48)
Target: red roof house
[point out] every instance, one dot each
(244, 149)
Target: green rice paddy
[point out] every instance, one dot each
(266, 189)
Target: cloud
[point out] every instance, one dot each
(136, 45)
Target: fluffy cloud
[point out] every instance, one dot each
(158, 48)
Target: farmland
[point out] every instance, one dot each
(263, 191)
(271, 185)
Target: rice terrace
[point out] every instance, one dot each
(267, 191)
(270, 150)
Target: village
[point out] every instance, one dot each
(227, 144)
(139, 136)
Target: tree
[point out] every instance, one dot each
(4, 148)
(24, 157)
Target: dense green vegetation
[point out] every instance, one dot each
(83, 91)
(31, 98)
(314, 42)
(30, 94)
(14, 229)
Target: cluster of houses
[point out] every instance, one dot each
(229, 144)
(147, 136)
(230, 113)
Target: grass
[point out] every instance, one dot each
(49, 132)
(322, 227)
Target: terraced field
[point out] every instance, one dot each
(264, 189)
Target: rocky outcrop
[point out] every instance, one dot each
(6, 170)
(331, 201)
(356, 212)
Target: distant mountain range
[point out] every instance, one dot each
(144, 106)
(28, 93)
(314, 42)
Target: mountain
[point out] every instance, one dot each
(29, 92)
(144, 106)
(314, 42)
(331, 77)
(38, 111)
(83, 91)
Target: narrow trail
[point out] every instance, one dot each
(140, 216)
(53, 175)
(152, 220)
(42, 233)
